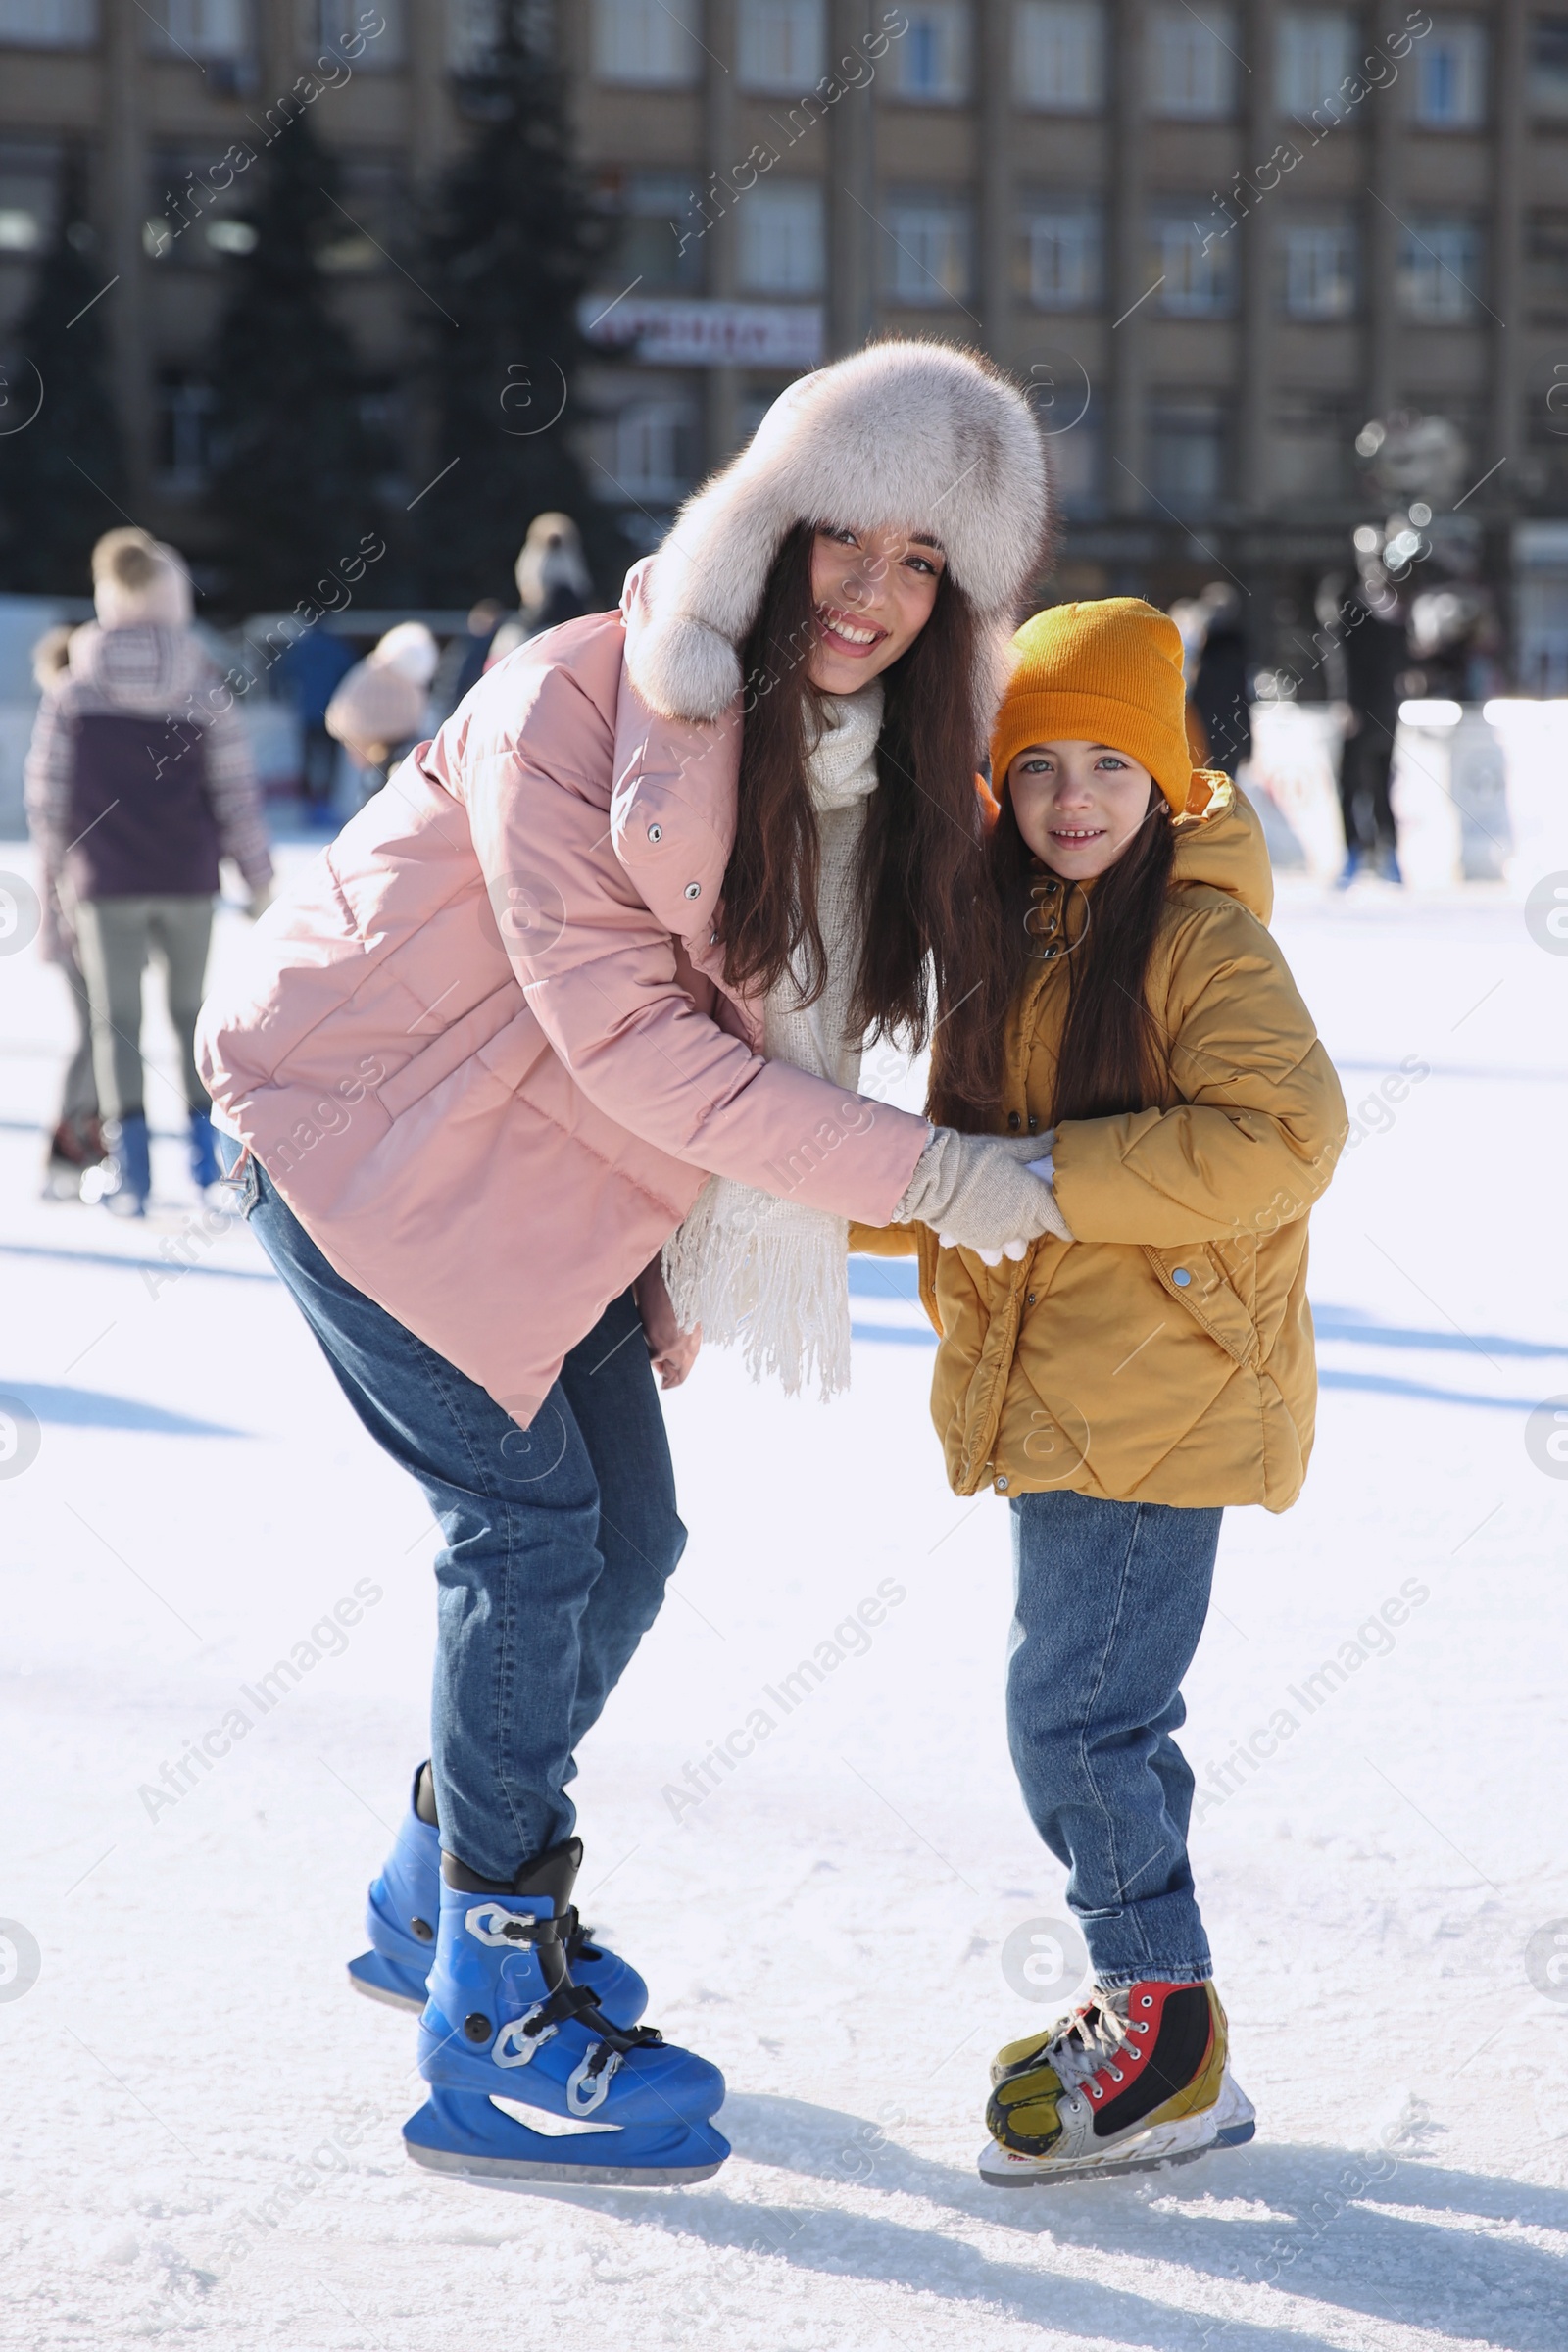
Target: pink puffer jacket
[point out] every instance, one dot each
(483, 1047)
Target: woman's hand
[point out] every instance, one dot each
(673, 1351)
(672, 1363)
(976, 1192)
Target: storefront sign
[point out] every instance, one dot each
(706, 335)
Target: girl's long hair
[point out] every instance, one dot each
(922, 881)
(1112, 1051)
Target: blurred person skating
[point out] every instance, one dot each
(379, 711)
(1221, 685)
(77, 1141)
(553, 584)
(310, 670)
(1369, 668)
(586, 990)
(138, 781)
(1150, 1360)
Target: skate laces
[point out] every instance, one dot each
(1090, 2038)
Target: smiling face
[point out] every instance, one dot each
(873, 592)
(1078, 804)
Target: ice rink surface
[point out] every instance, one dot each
(202, 2121)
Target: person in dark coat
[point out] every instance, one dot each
(1221, 690)
(553, 584)
(1373, 656)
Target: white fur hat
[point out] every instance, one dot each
(137, 578)
(903, 435)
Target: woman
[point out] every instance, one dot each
(492, 1046)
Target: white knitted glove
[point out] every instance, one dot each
(976, 1191)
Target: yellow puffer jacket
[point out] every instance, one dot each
(1165, 1356)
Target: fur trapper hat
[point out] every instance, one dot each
(903, 435)
(137, 578)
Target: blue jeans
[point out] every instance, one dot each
(559, 1540)
(1111, 1602)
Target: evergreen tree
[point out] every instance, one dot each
(62, 475)
(511, 243)
(296, 469)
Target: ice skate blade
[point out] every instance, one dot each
(369, 1974)
(508, 2172)
(490, 2144)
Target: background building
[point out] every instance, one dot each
(1216, 238)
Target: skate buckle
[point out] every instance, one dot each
(589, 2084)
(515, 2045)
(489, 1922)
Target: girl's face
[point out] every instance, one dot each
(1078, 804)
(873, 593)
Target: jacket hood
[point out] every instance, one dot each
(1221, 843)
(144, 667)
(905, 436)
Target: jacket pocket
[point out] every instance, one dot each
(1192, 1277)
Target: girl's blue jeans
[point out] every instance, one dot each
(560, 1539)
(1110, 1599)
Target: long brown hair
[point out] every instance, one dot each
(1112, 1057)
(922, 869)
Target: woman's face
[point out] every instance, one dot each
(873, 593)
(1078, 804)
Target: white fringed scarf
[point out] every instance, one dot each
(747, 1265)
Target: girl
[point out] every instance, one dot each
(620, 927)
(1151, 1360)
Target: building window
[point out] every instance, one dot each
(1187, 453)
(1073, 462)
(1191, 62)
(1313, 439)
(1194, 265)
(49, 24)
(1059, 56)
(928, 251)
(1549, 66)
(1440, 270)
(780, 234)
(1073, 458)
(185, 405)
(1546, 264)
(647, 43)
(1066, 243)
(932, 58)
(339, 23)
(1451, 75)
(656, 449)
(205, 29)
(473, 32)
(29, 180)
(1315, 58)
(1319, 271)
(779, 44)
(659, 245)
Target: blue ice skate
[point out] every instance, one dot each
(403, 1907)
(529, 2081)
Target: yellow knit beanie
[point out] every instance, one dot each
(1108, 672)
